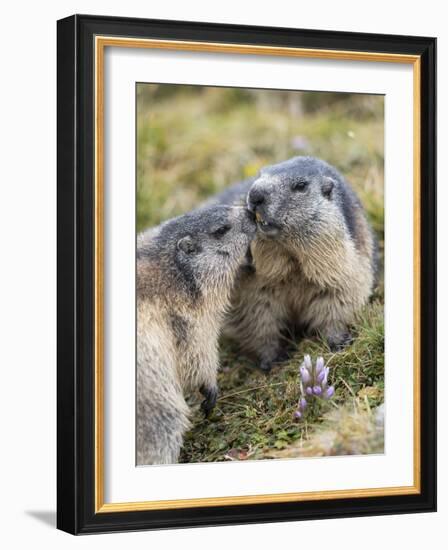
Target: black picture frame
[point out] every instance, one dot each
(76, 270)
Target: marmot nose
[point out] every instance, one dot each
(255, 198)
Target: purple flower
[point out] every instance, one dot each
(307, 362)
(314, 378)
(313, 384)
(319, 365)
(320, 377)
(305, 375)
(300, 408)
(328, 393)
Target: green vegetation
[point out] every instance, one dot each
(254, 413)
(193, 142)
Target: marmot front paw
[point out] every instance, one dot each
(211, 395)
(266, 364)
(338, 342)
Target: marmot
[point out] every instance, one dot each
(314, 256)
(186, 268)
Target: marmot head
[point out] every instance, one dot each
(201, 251)
(293, 198)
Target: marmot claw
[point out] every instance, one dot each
(338, 343)
(211, 395)
(265, 365)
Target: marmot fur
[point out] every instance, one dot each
(314, 256)
(185, 272)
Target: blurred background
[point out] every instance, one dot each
(194, 141)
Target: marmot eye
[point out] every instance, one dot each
(221, 231)
(299, 185)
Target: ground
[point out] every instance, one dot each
(193, 142)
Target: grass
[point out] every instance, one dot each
(193, 142)
(254, 414)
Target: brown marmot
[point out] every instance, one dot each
(186, 268)
(314, 256)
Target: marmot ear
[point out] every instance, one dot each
(327, 186)
(187, 245)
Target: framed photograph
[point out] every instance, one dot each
(246, 274)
